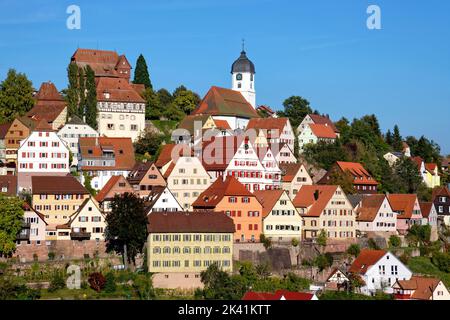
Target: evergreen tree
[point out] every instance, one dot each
(141, 75)
(91, 98)
(397, 141)
(388, 137)
(72, 96)
(16, 96)
(82, 100)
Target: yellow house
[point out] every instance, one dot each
(87, 223)
(281, 220)
(180, 245)
(57, 197)
(325, 207)
(431, 175)
(187, 179)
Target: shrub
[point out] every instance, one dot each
(323, 261)
(35, 257)
(295, 242)
(97, 281)
(110, 285)
(441, 261)
(395, 241)
(354, 250)
(404, 258)
(373, 244)
(57, 282)
(144, 287)
(267, 243)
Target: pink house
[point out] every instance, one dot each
(408, 211)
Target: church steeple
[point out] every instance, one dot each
(243, 76)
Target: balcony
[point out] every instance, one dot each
(23, 236)
(80, 235)
(26, 225)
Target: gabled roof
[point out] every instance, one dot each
(402, 203)
(440, 191)
(278, 295)
(366, 259)
(48, 92)
(225, 102)
(10, 183)
(56, 185)
(218, 152)
(423, 287)
(104, 193)
(315, 198)
(49, 103)
(318, 119)
(165, 156)
(369, 208)
(268, 124)
(76, 213)
(218, 190)
(431, 167)
(74, 119)
(139, 171)
(268, 199)
(222, 124)
(27, 207)
(92, 148)
(103, 62)
(323, 131)
(426, 208)
(190, 222)
(4, 130)
(355, 199)
(336, 270)
(289, 171)
(119, 90)
(154, 195)
(188, 122)
(357, 171)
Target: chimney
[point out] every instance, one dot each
(316, 195)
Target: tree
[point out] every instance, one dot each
(164, 98)
(186, 101)
(82, 99)
(126, 226)
(397, 140)
(173, 113)
(407, 175)
(322, 238)
(295, 108)
(88, 185)
(141, 74)
(148, 143)
(16, 96)
(395, 241)
(152, 109)
(388, 137)
(354, 250)
(323, 261)
(11, 218)
(343, 179)
(143, 285)
(324, 154)
(91, 98)
(267, 243)
(428, 150)
(72, 96)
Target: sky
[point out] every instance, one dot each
(321, 50)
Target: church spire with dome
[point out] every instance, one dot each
(243, 77)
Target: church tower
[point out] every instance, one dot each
(243, 77)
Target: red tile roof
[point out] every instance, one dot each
(370, 205)
(425, 208)
(119, 90)
(92, 148)
(56, 185)
(171, 152)
(268, 124)
(289, 170)
(402, 203)
(357, 171)
(49, 103)
(305, 198)
(218, 152)
(268, 199)
(4, 130)
(222, 124)
(431, 167)
(225, 102)
(323, 131)
(366, 259)
(423, 287)
(105, 193)
(103, 62)
(288, 295)
(190, 222)
(10, 183)
(440, 191)
(220, 189)
(318, 119)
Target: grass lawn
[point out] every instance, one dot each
(423, 265)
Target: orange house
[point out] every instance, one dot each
(232, 198)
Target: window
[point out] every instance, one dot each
(134, 127)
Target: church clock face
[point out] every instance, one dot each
(239, 76)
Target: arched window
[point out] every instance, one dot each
(166, 250)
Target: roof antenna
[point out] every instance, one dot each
(243, 45)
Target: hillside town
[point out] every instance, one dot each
(289, 204)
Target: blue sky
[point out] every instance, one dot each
(318, 49)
